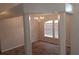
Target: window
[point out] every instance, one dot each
(51, 29)
(56, 29)
(48, 30)
(68, 8)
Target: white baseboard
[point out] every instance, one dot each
(11, 48)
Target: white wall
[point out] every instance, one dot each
(75, 31)
(11, 32)
(34, 30)
(75, 35)
(68, 29)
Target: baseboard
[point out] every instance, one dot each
(11, 48)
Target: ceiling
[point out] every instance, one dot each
(8, 10)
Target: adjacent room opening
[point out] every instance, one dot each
(44, 33)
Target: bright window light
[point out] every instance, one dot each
(56, 21)
(29, 18)
(49, 21)
(48, 28)
(68, 8)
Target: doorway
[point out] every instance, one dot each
(44, 34)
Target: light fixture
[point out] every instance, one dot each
(41, 17)
(58, 17)
(35, 18)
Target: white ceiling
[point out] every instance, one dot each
(44, 7)
(15, 9)
(6, 6)
(10, 10)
